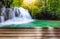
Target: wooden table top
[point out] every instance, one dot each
(38, 33)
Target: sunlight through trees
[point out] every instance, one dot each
(38, 7)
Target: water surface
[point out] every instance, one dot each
(36, 23)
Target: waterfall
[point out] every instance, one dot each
(1, 18)
(2, 10)
(17, 16)
(24, 13)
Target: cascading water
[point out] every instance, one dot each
(1, 18)
(17, 16)
(24, 14)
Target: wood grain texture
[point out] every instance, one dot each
(38, 33)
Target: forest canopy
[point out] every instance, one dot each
(39, 9)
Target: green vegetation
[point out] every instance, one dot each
(39, 9)
(54, 7)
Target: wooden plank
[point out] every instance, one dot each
(20, 35)
(8, 37)
(30, 33)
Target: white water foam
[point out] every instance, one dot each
(23, 17)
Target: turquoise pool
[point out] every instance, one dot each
(36, 23)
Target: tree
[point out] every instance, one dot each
(8, 3)
(17, 3)
(53, 7)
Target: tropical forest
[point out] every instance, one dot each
(30, 13)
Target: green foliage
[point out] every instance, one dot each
(37, 8)
(8, 2)
(17, 3)
(54, 6)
